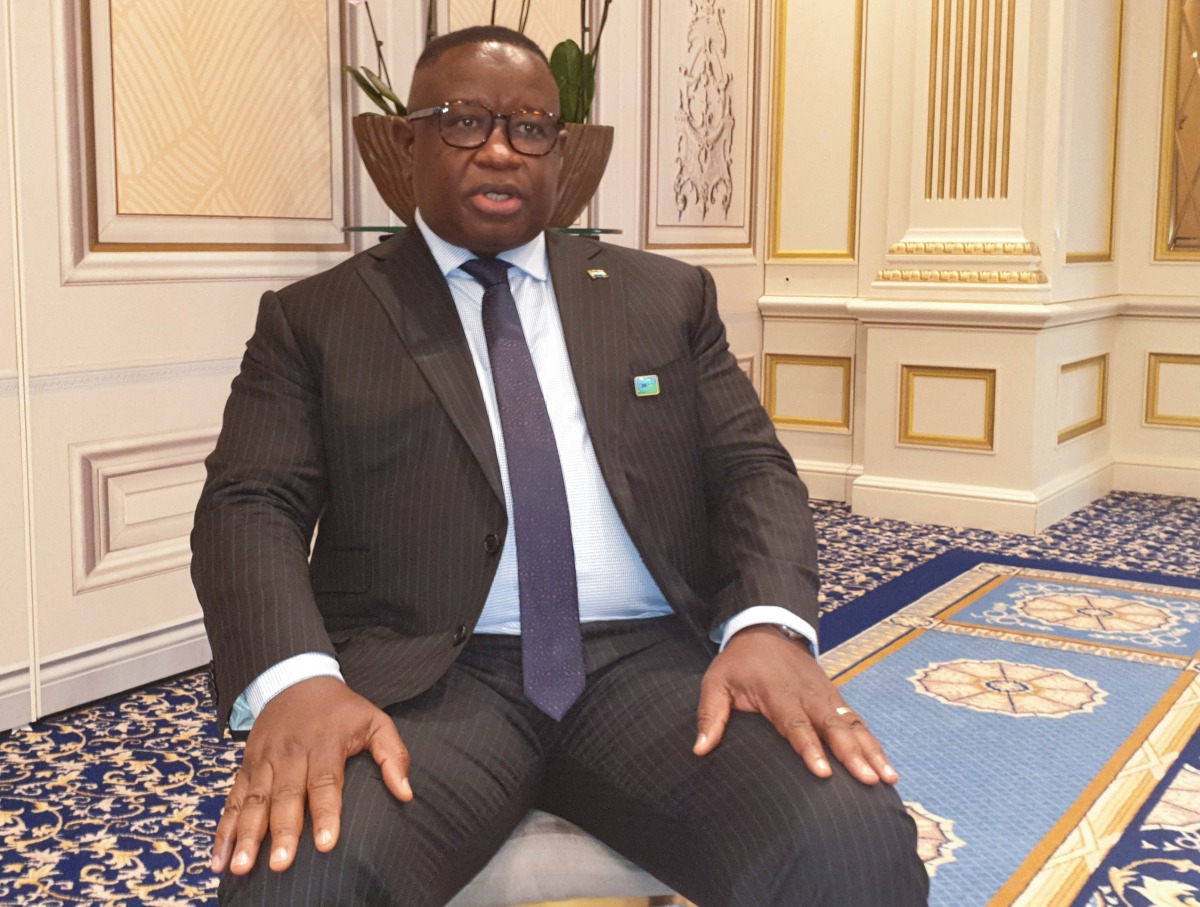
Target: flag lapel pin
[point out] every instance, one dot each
(646, 385)
(597, 274)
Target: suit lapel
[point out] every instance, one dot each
(592, 309)
(404, 276)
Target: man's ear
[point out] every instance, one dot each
(404, 134)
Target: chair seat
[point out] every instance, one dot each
(548, 859)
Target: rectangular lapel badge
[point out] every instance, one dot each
(597, 273)
(646, 385)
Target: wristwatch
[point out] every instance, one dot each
(794, 635)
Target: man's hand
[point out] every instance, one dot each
(762, 671)
(296, 754)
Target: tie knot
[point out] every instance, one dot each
(487, 271)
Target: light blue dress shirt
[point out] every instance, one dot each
(613, 581)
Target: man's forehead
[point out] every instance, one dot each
(468, 66)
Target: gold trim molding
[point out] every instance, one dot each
(1100, 419)
(905, 275)
(772, 362)
(907, 435)
(964, 247)
(1154, 414)
(778, 90)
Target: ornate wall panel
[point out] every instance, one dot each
(1082, 404)
(701, 126)
(1178, 229)
(809, 392)
(970, 98)
(215, 123)
(1173, 390)
(132, 505)
(815, 157)
(1094, 85)
(947, 407)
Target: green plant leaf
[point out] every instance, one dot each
(369, 90)
(385, 90)
(575, 73)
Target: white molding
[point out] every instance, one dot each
(945, 503)
(1157, 477)
(715, 257)
(107, 546)
(16, 706)
(827, 481)
(193, 267)
(132, 374)
(1065, 494)
(121, 663)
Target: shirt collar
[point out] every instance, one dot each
(530, 258)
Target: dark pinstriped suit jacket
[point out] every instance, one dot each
(358, 405)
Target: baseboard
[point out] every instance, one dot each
(1157, 478)
(116, 665)
(16, 706)
(946, 504)
(827, 481)
(1068, 493)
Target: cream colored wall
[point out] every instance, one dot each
(15, 703)
(1006, 211)
(119, 336)
(833, 267)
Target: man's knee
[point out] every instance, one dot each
(855, 845)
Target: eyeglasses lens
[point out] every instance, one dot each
(468, 126)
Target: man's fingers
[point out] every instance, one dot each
(325, 782)
(856, 747)
(226, 834)
(390, 754)
(711, 716)
(250, 807)
(287, 800)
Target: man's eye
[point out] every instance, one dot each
(463, 121)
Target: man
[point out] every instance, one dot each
(414, 690)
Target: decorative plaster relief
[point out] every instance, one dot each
(970, 98)
(132, 501)
(704, 119)
(700, 99)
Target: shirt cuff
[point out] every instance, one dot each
(765, 614)
(277, 678)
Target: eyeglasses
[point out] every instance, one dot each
(463, 124)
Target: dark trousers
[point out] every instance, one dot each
(746, 825)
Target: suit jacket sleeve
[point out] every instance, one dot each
(256, 515)
(760, 527)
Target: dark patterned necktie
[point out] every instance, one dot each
(551, 648)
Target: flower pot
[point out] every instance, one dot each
(378, 140)
(585, 156)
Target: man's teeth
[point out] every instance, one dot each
(498, 196)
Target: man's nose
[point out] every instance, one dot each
(497, 148)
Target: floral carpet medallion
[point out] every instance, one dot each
(1031, 709)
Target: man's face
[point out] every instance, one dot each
(491, 198)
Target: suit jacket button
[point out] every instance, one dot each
(491, 543)
(460, 634)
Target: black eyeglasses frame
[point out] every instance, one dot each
(447, 106)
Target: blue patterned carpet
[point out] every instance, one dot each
(114, 804)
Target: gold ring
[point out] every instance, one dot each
(842, 710)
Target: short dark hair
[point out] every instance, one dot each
(478, 34)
